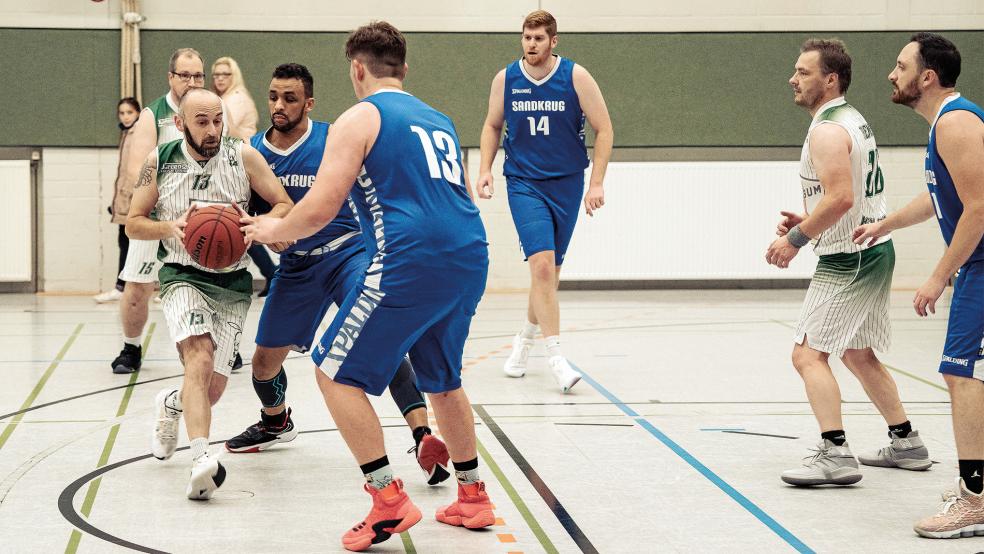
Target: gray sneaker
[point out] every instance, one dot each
(905, 453)
(831, 465)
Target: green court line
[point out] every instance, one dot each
(891, 368)
(90, 494)
(531, 521)
(408, 543)
(9, 430)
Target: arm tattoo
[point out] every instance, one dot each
(146, 175)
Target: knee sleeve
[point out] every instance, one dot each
(404, 389)
(273, 392)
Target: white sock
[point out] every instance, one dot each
(199, 447)
(553, 346)
(529, 330)
(135, 341)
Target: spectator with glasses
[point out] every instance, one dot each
(227, 82)
(186, 70)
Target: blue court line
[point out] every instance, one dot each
(743, 501)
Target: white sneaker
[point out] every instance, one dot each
(112, 295)
(565, 375)
(165, 439)
(207, 475)
(515, 365)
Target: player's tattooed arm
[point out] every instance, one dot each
(146, 174)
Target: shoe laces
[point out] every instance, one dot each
(167, 428)
(950, 499)
(819, 453)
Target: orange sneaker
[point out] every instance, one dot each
(432, 455)
(472, 510)
(392, 512)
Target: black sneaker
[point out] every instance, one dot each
(237, 364)
(259, 436)
(129, 359)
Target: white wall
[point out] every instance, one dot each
(79, 249)
(507, 15)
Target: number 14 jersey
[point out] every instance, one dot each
(544, 123)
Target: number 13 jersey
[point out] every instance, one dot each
(544, 123)
(421, 228)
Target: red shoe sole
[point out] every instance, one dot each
(363, 542)
(485, 518)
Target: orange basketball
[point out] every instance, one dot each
(213, 238)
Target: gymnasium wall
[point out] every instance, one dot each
(686, 78)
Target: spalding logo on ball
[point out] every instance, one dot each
(213, 237)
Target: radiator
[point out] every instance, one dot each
(16, 225)
(688, 220)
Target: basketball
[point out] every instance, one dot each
(213, 238)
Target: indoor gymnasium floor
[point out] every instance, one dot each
(673, 442)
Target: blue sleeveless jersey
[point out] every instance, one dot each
(296, 168)
(421, 228)
(544, 124)
(945, 200)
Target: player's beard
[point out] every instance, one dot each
(908, 96)
(288, 126)
(207, 152)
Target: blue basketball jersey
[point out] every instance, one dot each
(296, 168)
(945, 199)
(419, 223)
(544, 123)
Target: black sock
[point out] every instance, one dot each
(466, 472)
(276, 421)
(419, 432)
(836, 436)
(972, 472)
(901, 430)
(372, 466)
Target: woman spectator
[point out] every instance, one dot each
(127, 110)
(227, 82)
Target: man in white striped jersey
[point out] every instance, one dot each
(846, 307)
(204, 308)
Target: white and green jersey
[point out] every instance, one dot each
(182, 181)
(164, 109)
(866, 177)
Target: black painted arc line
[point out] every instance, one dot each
(110, 389)
(759, 434)
(93, 393)
(67, 508)
(565, 519)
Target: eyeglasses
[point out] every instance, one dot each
(221, 75)
(186, 77)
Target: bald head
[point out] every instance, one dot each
(201, 121)
(199, 100)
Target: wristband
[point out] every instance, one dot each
(797, 237)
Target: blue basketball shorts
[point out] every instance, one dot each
(965, 330)
(373, 331)
(545, 212)
(303, 289)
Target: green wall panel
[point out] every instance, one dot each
(687, 89)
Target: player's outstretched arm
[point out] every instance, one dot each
(918, 210)
(596, 111)
(349, 141)
(139, 226)
(491, 133)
